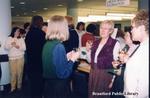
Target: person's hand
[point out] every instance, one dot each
(13, 43)
(74, 55)
(123, 57)
(69, 54)
(17, 46)
(115, 64)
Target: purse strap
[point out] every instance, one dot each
(134, 50)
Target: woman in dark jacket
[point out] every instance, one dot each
(35, 40)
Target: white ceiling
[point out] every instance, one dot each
(36, 7)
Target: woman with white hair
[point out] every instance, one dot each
(57, 66)
(103, 52)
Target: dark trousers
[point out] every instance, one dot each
(36, 85)
(118, 85)
(57, 88)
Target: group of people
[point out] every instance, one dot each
(132, 81)
(50, 57)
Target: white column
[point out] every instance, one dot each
(5, 29)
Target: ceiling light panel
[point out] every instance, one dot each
(45, 8)
(22, 3)
(59, 5)
(80, 0)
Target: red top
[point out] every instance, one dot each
(86, 37)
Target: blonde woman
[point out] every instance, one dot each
(57, 66)
(16, 48)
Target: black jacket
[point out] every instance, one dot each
(35, 40)
(72, 42)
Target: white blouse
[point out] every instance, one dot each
(13, 52)
(136, 76)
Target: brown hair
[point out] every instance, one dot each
(69, 18)
(141, 18)
(70, 21)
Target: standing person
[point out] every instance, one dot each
(73, 40)
(118, 83)
(57, 67)
(136, 76)
(103, 52)
(35, 40)
(16, 46)
(120, 37)
(80, 28)
(72, 43)
(26, 27)
(24, 77)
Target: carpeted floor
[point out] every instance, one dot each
(24, 92)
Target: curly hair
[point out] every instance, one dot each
(141, 18)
